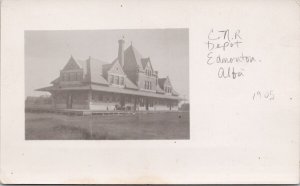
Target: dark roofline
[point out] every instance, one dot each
(110, 89)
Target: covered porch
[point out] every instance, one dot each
(91, 99)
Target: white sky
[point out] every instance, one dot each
(46, 53)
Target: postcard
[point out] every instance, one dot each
(150, 92)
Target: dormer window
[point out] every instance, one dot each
(79, 76)
(121, 80)
(116, 80)
(72, 76)
(168, 89)
(65, 77)
(148, 85)
(148, 72)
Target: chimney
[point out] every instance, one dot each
(156, 77)
(88, 69)
(121, 52)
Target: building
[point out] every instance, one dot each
(129, 82)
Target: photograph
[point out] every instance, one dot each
(124, 84)
(149, 92)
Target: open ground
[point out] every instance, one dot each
(138, 126)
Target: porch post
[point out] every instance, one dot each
(89, 98)
(135, 102)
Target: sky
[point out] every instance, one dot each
(47, 52)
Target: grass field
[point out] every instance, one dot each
(47, 126)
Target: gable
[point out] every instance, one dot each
(116, 69)
(167, 82)
(132, 58)
(146, 62)
(71, 65)
(161, 82)
(167, 86)
(148, 66)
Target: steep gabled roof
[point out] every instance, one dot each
(161, 82)
(131, 54)
(96, 71)
(145, 61)
(105, 68)
(82, 64)
(94, 67)
(109, 67)
(159, 90)
(129, 84)
(174, 93)
(99, 79)
(55, 80)
(71, 64)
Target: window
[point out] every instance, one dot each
(148, 72)
(121, 80)
(66, 76)
(111, 79)
(72, 76)
(79, 76)
(116, 80)
(148, 85)
(168, 89)
(63, 77)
